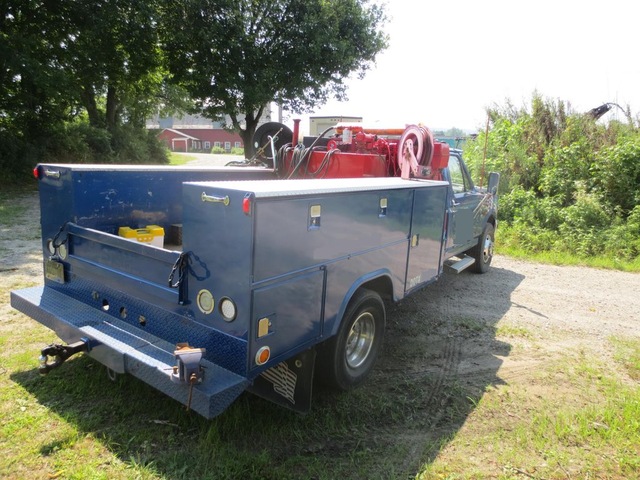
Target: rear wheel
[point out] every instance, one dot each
(483, 252)
(347, 359)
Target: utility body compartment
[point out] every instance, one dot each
(264, 272)
(291, 251)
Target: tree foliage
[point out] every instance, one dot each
(111, 52)
(89, 69)
(236, 56)
(79, 78)
(568, 183)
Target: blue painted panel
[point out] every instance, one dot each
(294, 309)
(116, 260)
(107, 197)
(342, 276)
(425, 258)
(350, 224)
(220, 241)
(173, 326)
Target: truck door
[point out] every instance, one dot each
(462, 211)
(427, 229)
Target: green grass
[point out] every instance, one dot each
(628, 354)
(513, 331)
(577, 420)
(470, 324)
(9, 210)
(87, 427)
(566, 258)
(175, 159)
(507, 245)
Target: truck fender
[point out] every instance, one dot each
(378, 281)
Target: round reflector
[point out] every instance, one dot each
(263, 355)
(205, 301)
(228, 309)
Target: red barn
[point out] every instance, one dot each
(199, 139)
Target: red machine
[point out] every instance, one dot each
(357, 151)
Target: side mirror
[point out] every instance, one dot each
(494, 181)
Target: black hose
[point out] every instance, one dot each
(307, 152)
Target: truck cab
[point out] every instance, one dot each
(471, 216)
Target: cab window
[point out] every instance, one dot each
(459, 181)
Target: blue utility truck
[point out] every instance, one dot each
(205, 283)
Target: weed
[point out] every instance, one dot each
(470, 324)
(628, 354)
(513, 331)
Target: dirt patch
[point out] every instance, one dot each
(20, 257)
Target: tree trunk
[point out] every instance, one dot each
(247, 140)
(112, 108)
(89, 100)
(251, 122)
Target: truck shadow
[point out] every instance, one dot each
(441, 354)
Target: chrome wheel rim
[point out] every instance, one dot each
(360, 340)
(487, 249)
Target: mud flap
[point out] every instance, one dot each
(288, 384)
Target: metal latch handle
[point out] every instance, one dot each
(212, 198)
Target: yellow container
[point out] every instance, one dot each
(152, 234)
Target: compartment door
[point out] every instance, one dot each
(425, 240)
(287, 315)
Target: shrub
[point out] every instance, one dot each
(616, 174)
(622, 241)
(17, 158)
(568, 183)
(585, 225)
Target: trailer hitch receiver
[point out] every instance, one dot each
(59, 353)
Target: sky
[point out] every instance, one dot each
(448, 61)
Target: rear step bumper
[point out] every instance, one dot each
(126, 349)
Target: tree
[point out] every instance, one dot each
(112, 52)
(34, 91)
(77, 81)
(102, 55)
(236, 56)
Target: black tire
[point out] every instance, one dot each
(483, 251)
(346, 360)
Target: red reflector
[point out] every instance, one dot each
(263, 355)
(246, 206)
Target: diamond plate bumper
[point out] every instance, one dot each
(126, 349)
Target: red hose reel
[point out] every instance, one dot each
(419, 154)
